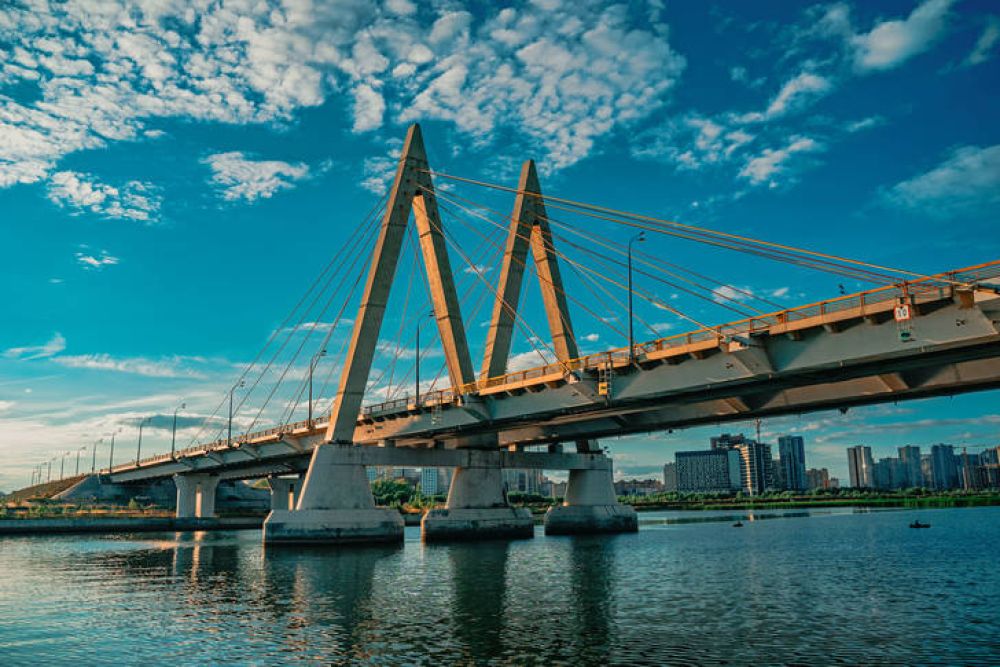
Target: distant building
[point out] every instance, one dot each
(989, 468)
(523, 481)
(968, 466)
(944, 468)
(834, 483)
(638, 487)
(859, 466)
(817, 478)
(909, 456)
(777, 475)
(434, 481)
(791, 449)
(669, 477)
(712, 471)
(889, 473)
(756, 466)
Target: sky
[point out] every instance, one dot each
(174, 176)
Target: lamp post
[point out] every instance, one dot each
(641, 236)
(173, 432)
(229, 436)
(138, 449)
(416, 363)
(78, 459)
(48, 477)
(111, 455)
(62, 465)
(93, 456)
(312, 367)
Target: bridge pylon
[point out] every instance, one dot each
(336, 504)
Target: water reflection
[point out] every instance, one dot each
(323, 596)
(592, 561)
(479, 581)
(684, 593)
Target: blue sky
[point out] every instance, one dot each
(173, 175)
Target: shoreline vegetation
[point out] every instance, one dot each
(396, 494)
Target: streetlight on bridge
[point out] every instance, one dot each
(84, 447)
(416, 362)
(229, 433)
(111, 455)
(138, 451)
(93, 456)
(173, 432)
(641, 236)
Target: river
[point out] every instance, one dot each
(815, 586)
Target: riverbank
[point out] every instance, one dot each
(978, 500)
(123, 525)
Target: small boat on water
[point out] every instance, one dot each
(917, 524)
(738, 524)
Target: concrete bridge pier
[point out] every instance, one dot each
(477, 507)
(335, 505)
(590, 505)
(195, 495)
(284, 492)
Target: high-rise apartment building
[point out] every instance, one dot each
(756, 464)
(909, 456)
(944, 468)
(860, 465)
(669, 477)
(712, 471)
(791, 450)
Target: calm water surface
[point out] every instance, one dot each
(811, 587)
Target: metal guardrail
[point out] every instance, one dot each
(932, 288)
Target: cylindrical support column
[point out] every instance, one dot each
(207, 486)
(590, 505)
(187, 492)
(476, 505)
(281, 492)
(335, 505)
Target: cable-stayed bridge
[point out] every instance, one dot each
(911, 336)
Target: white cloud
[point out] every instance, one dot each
(967, 181)
(797, 92)
(592, 337)
(983, 50)
(54, 346)
(780, 292)
(765, 167)
(95, 261)
(6, 405)
(369, 108)
(525, 360)
(727, 294)
(105, 70)
(173, 367)
(379, 171)
(134, 201)
(241, 177)
(891, 43)
(865, 124)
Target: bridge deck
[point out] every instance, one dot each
(964, 289)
